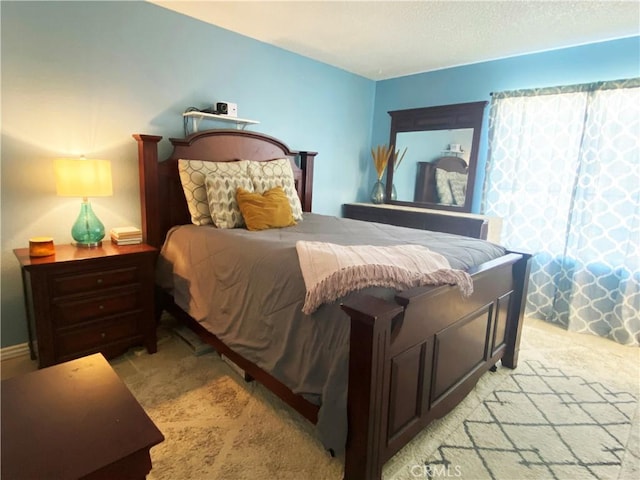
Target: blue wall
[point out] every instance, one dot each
(472, 83)
(81, 77)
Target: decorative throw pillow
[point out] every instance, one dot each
(443, 188)
(221, 198)
(192, 176)
(458, 184)
(270, 209)
(276, 173)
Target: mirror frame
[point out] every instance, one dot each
(443, 117)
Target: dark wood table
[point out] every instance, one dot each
(74, 420)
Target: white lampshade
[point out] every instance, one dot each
(83, 177)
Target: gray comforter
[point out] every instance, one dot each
(247, 288)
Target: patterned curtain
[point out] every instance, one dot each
(563, 173)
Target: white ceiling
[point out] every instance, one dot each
(391, 38)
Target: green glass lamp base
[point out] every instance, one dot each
(88, 231)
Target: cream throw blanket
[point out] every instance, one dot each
(331, 271)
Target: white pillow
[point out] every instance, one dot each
(443, 188)
(458, 184)
(451, 187)
(274, 173)
(221, 197)
(192, 176)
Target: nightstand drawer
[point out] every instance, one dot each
(92, 281)
(97, 335)
(79, 311)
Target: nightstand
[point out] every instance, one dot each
(87, 300)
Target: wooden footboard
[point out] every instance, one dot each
(414, 360)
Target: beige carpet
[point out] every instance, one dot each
(570, 411)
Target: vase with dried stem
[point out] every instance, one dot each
(381, 155)
(396, 163)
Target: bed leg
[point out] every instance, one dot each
(160, 301)
(516, 311)
(157, 313)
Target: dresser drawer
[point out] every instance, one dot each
(97, 335)
(93, 281)
(67, 313)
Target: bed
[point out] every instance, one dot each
(409, 357)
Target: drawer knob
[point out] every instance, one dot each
(101, 307)
(103, 335)
(99, 281)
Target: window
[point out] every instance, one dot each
(564, 174)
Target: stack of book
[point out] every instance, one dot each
(126, 235)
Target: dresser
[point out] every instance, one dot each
(87, 300)
(466, 224)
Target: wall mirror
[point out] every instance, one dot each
(437, 155)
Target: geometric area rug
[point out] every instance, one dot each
(569, 411)
(541, 423)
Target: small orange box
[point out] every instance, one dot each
(41, 247)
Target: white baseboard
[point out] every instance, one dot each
(14, 351)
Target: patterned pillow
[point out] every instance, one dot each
(451, 187)
(276, 173)
(221, 197)
(443, 188)
(192, 176)
(458, 184)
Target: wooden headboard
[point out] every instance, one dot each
(162, 199)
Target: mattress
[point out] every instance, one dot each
(247, 288)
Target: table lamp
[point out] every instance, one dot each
(84, 178)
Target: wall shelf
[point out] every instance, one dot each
(196, 117)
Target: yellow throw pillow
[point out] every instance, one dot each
(270, 209)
